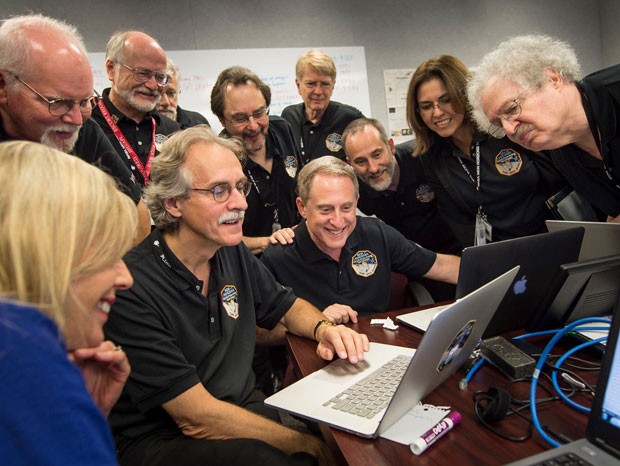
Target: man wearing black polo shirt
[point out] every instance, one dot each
(318, 122)
(342, 263)
(136, 67)
(46, 95)
(240, 100)
(529, 89)
(188, 323)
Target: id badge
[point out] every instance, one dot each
(484, 230)
(275, 227)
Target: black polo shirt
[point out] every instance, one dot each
(93, 147)
(324, 137)
(187, 118)
(514, 185)
(600, 93)
(412, 208)
(139, 135)
(276, 190)
(175, 337)
(362, 277)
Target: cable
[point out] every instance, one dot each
(540, 364)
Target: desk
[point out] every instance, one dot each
(467, 444)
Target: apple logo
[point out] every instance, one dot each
(520, 285)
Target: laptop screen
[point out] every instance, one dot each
(604, 422)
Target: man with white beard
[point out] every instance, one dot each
(136, 67)
(46, 95)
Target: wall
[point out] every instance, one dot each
(395, 33)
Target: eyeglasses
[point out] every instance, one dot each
(325, 86)
(242, 119)
(59, 106)
(141, 76)
(511, 112)
(429, 107)
(222, 192)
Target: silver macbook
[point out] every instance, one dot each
(362, 400)
(601, 447)
(600, 239)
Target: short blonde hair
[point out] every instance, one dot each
(317, 61)
(61, 219)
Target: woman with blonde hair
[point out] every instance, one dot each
(487, 189)
(64, 227)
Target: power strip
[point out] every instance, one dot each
(507, 357)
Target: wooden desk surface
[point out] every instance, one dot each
(468, 443)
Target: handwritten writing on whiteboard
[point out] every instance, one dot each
(276, 67)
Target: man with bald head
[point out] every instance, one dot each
(136, 67)
(46, 95)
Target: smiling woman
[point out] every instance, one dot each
(65, 227)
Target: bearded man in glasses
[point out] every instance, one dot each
(136, 67)
(46, 95)
(529, 88)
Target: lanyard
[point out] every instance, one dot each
(130, 153)
(476, 182)
(606, 168)
(267, 204)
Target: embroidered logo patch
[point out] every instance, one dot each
(364, 263)
(291, 165)
(334, 142)
(508, 162)
(425, 194)
(159, 141)
(230, 300)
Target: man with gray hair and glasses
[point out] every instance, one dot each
(188, 323)
(136, 67)
(529, 88)
(46, 95)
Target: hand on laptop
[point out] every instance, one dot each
(342, 341)
(340, 313)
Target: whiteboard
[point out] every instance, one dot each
(275, 66)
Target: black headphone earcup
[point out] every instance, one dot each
(498, 403)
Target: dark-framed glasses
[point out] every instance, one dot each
(141, 75)
(222, 192)
(241, 119)
(60, 106)
(511, 111)
(429, 107)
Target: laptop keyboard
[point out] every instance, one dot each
(566, 459)
(370, 395)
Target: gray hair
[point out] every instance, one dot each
(359, 125)
(116, 46)
(173, 70)
(169, 176)
(327, 164)
(16, 45)
(523, 60)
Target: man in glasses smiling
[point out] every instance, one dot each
(136, 67)
(46, 95)
(529, 88)
(240, 99)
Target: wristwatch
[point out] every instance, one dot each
(322, 322)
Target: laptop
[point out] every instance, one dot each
(539, 256)
(447, 344)
(601, 447)
(600, 238)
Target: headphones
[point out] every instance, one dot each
(493, 406)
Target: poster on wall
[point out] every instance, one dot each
(276, 67)
(396, 84)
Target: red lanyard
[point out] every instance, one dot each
(145, 171)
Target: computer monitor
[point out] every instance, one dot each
(583, 289)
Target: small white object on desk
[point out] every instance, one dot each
(387, 323)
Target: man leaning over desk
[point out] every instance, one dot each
(188, 323)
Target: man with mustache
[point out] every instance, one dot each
(136, 67)
(240, 100)
(530, 89)
(188, 323)
(46, 95)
